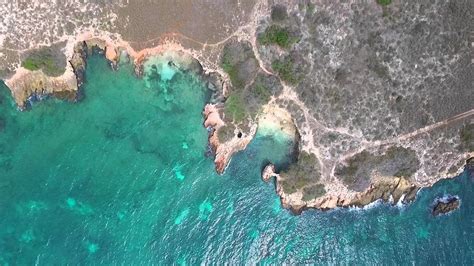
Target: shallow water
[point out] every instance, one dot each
(122, 178)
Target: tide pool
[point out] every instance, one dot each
(122, 178)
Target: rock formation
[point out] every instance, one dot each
(445, 205)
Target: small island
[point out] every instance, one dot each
(445, 205)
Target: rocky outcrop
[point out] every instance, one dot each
(109, 50)
(445, 205)
(30, 85)
(215, 84)
(225, 151)
(78, 62)
(27, 86)
(470, 167)
(395, 190)
(268, 172)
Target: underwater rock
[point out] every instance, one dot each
(445, 205)
(3, 124)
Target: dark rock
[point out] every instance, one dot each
(469, 167)
(445, 205)
(470, 164)
(279, 13)
(78, 63)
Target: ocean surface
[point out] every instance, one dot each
(122, 178)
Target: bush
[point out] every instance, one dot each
(262, 93)
(234, 107)
(279, 13)
(313, 192)
(466, 134)
(354, 175)
(277, 35)
(236, 57)
(225, 133)
(285, 70)
(45, 60)
(304, 173)
(384, 2)
(233, 72)
(30, 64)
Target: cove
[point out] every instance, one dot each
(122, 178)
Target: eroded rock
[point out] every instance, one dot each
(268, 172)
(445, 205)
(358, 171)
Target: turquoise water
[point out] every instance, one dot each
(122, 178)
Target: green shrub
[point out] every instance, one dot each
(226, 133)
(351, 175)
(285, 70)
(277, 35)
(30, 64)
(262, 93)
(303, 173)
(45, 60)
(233, 72)
(384, 2)
(239, 62)
(313, 192)
(235, 108)
(466, 135)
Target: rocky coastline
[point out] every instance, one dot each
(388, 189)
(29, 86)
(287, 66)
(26, 85)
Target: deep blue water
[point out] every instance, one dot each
(122, 178)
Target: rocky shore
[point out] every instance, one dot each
(364, 99)
(223, 151)
(25, 84)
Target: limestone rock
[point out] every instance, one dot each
(445, 205)
(268, 172)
